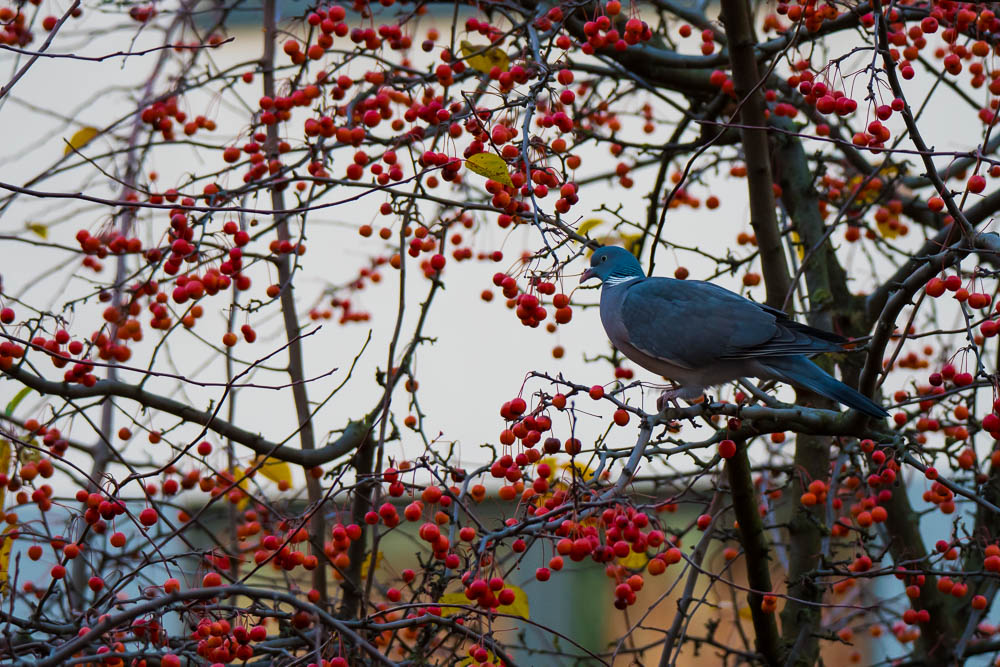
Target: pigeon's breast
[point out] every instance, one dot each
(614, 326)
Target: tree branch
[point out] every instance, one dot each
(756, 551)
(760, 183)
(352, 437)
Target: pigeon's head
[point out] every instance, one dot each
(612, 262)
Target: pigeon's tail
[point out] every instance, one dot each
(800, 371)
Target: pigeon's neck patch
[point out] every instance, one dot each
(615, 280)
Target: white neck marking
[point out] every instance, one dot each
(614, 281)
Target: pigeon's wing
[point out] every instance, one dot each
(694, 324)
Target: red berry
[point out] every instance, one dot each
(991, 422)
(935, 287)
(506, 596)
(727, 449)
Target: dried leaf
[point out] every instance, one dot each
(275, 470)
(484, 57)
(80, 138)
(491, 166)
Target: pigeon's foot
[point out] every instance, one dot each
(671, 397)
(668, 397)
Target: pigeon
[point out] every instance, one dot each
(701, 335)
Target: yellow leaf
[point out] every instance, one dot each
(491, 166)
(553, 465)
(5, 459)
(240, 477)
(797, 242)
(365, 565)
(587, 225)
(491, 660)
(632, 243)
(581, 470)
(887, 230)
(38, 228)
(484, 57)
(634, 561)
(80, 138)
(745, 612)
(519, 607)
(453, 599)
(894, 170)
(242, 484)
(866, 196)
(275, 470)
(5, 548)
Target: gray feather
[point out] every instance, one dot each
(700, 335)
(695, 323)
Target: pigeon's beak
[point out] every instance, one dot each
(587, 275)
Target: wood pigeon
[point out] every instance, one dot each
(700, 335)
